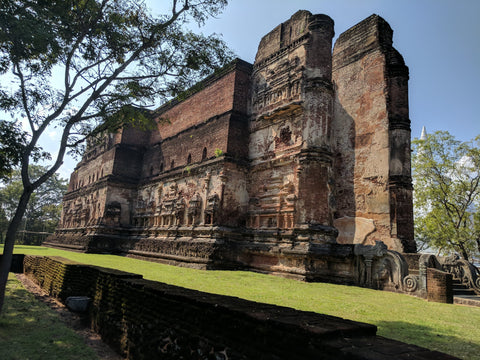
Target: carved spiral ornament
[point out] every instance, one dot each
(477, 282)
(410, 283)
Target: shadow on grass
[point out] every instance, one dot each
(431, 338)
(31, 330)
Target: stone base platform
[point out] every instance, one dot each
(308, 254)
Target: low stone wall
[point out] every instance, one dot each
(439, 286)
(143, 319)
(63, 277)
(17, 263)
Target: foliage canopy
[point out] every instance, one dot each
(112, 57)
(447, 193)
(44, 208)
(81, 67)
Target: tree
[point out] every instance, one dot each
(11, 147)
(43, 209)
(447, 193)
(3, 224)
(114, 59)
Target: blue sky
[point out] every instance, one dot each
(439, 40)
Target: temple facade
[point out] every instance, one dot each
(282, 166)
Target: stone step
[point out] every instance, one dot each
(463, 291)
(464, 295)
(470, 300)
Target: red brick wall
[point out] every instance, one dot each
(134, 136)
(214, 118)
(215, 99)
(313, 205)
(143, 319)
(439, 286)
(211, 135)
(238, 136)
(242, 87)
(128, 162)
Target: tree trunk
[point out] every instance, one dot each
(6, 260)
(464, 253)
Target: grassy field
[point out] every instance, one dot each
(452, 329)
(29, 329)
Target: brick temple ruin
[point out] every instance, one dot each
(296, 165)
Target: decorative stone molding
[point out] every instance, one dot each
(462, 271)
(380, 268)
(410, 283)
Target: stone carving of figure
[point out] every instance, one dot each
(211, 209)
(169, 200)
(194, 209)
(172, 191)
(159, 193)
(383, 273)
(179, 212)
(380, 268)
(112, 213)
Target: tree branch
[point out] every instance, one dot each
(18, 72)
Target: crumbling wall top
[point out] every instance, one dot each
(370, 34)
(289, 32)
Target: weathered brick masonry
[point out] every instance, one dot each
(283, 166)
(439, 286)
(143, 319)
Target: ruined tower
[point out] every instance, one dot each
(291, 115)
(283, 166)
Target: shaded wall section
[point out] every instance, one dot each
(371, 135)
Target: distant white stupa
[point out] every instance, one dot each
(423, 136)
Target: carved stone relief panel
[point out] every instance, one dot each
(274, 203)
(277, 84)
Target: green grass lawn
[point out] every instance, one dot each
(452, 329)
(29, 329)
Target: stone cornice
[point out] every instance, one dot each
(398, 123)
(315, 154)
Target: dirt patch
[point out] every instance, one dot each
(77, 322)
